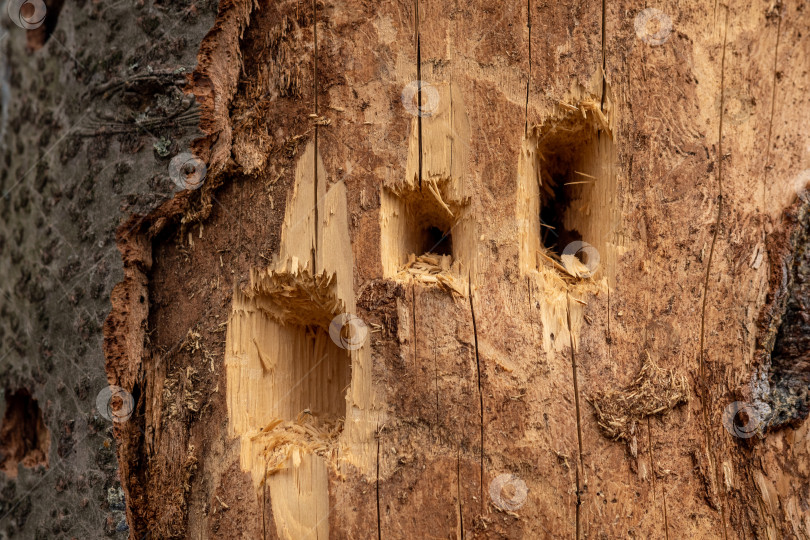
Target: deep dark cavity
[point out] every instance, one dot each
(437, 241)
(569, 153)
(38, 37)
(554, 235)
(24, 438)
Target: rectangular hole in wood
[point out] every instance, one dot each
(305, 370)
(566, 195)
(569, 159)
(416, 224)
(288, 376)
(282, 360)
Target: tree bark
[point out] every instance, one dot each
(491, 270)
(92, 110)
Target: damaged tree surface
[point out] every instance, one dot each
(406, 269)
(24, 438)
(790, 357)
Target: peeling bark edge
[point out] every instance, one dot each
(213, 84)
(783, 246)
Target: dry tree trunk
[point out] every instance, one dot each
(92, 110)
(478, 269)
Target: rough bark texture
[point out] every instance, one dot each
(92, 110)
(607, 392)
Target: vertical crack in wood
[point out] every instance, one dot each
(458, 493)
(579, 469)
(609, 339)
(419, 91)
(413, 319)
(264, 501)
(377, 485)
(436, 379)
(529, 78)
(452, 122)
(652, 469)
(778, 7)
(478, 368)
(705, 395)
(604, 54)
(531, 309)
(650, 452)
(315, 86)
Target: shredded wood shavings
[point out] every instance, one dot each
(192, 342)
(569, 265)
(567, 106)
(574, 267)
(654, 391)
(593, 107)
(433, 268)
(306, 435)
(433, 186)
(291, 293)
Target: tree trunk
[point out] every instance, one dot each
(437, 269)
(92, 110)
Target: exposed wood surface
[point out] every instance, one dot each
(679, 162)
